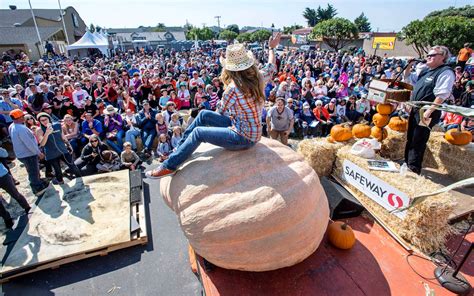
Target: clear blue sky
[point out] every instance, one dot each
(385, 15)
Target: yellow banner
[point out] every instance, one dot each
(387, 43)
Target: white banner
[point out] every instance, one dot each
(376, 189)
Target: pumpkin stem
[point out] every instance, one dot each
(459, 128)
(344, 226)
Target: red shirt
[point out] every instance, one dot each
(317, 112)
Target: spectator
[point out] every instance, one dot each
(147, 121)
(51, 140)
(131, 128)
(90, 156)
(322, 116)
(70, 130)
(7, 183)
(177, 135)
(280, 121)
(113, 128)
(129, 158)
(27, 151)
(164, 147)
(109, 162)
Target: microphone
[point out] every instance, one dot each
(419, 60)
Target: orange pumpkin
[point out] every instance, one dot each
(341, 235)
(457, 137)
(380, 120)
(398, 124)
(341, 132)
(361, 130)
(384, 109)
(379, 133)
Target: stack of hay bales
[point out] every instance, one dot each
(449, 159)
(320, 154)
(393, 147)
(426, 224)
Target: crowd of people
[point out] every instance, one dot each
(103, 114)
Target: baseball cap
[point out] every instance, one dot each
(289, 100)
(46, 106)
(17, 113)
(305, 105)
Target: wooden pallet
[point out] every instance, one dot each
(138, 237)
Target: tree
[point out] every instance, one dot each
(450, 31)
(466, 11)
(415, 34)
(326, 14)
(310, 15)
(336, 32)
(200, 33)
(228, 35)
(362, 23)
(92, 28)
(160, 27)
(260, 36)
(244, 37)
(290, 29)
(233, 28)
(315, 16)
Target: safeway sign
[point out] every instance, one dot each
(382, 193)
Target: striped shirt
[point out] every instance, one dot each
(245, 113)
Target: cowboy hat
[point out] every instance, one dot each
(237, 58)
(110, 109)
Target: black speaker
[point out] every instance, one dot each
(342, 204)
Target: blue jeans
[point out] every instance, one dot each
(209, 127)
(148, 136)
(32, 167)
(131, 136)
(118, 147)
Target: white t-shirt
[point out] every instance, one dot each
(78, 98)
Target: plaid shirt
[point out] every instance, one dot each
(244, 112)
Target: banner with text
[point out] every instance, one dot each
(376, 189)
(387, 43)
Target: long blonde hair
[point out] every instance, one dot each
(248, 81)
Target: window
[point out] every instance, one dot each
(75, 22)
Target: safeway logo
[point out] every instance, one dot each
(376, 189)
(395, 200)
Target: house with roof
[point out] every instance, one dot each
(136, 38)
(17, 30)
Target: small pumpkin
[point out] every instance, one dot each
(384, 109)
(341, 132)
(379, 133)
(341, 235)
(361, 130)
(456, 136)
(380, 120)
(398, 124)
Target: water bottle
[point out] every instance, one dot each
(403, 169)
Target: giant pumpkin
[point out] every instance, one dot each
(254, 210)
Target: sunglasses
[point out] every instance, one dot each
(432, 55)
(94, 141)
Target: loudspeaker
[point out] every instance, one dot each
(342, 204)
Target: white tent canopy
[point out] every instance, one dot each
(90, 40)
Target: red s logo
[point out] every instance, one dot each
(395, 200)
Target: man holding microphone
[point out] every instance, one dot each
(433, 82)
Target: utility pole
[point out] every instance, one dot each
(218, 17)
(64, 24)
(40, 47)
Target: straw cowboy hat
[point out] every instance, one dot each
(110, 109)
(237, 58)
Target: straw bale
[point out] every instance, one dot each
(393, 147)
(449, 159)
(319, 154)
(426, 224)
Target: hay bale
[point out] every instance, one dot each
(393, 147)
(319, 154)
(447, 158)
(426, 224)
